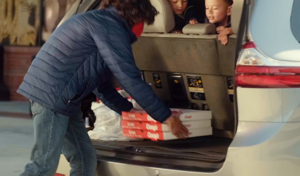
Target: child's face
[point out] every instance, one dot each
(178, 6)
(217, 11)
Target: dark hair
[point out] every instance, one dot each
(229, 2)
(133, 11)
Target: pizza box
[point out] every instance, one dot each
(159, 135)
(186, 115)
(136, 125)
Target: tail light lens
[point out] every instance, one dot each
(253, 72)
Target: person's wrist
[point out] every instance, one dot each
(227, 31)
(168, 120)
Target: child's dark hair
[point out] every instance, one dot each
(134, 11)
(229, 2)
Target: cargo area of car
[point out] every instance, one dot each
(201, 57)
(183, 56)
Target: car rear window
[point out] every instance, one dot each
(295, 22)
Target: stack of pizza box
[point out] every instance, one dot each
(138, 124)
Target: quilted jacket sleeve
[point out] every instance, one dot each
(115, 48)
(111, 98)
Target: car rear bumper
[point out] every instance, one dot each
(261, 149)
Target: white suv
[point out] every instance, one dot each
(251, 85)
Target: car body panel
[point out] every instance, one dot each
(271, 24)
(260, 105)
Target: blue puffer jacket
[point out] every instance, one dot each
(79, 58)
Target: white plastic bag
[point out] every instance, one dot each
(107, 125)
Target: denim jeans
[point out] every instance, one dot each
(54, 134)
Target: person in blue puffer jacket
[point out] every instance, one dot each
(79, 58)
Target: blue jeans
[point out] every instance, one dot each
(54, 134)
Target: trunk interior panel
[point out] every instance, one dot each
(203, 57)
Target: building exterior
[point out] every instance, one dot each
(25, 26)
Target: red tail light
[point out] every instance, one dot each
(253, 72)
(267, 77)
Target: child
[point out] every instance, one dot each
(184, 13)
(218, 12)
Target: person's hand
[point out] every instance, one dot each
(176, 127)
(220, 29)
(193, 21)
(177, 32)
(223, 35)
(223, 38)
(226, 31)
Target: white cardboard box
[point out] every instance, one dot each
(155, 136)
(187, 115)
(190, 125)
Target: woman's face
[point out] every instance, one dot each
(178, 6)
